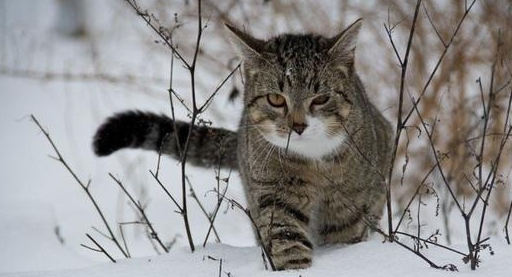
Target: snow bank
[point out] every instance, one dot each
(372, 258)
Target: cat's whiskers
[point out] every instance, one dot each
(343, 144)
(266, 160)
(264, 149)
(259, 140)
(264, 153)
(247, 126)
(261, 145)
(281, 159)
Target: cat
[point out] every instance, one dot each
(311, 150)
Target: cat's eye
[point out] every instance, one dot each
(276, 100)
(320, 100)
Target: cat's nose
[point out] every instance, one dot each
(299, 127)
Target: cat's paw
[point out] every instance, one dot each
(294, 257)
(284, 263)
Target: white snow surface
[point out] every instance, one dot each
(371, 258)
(44, 215)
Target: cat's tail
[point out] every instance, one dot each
(208, 147)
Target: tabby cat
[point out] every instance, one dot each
(311, 149)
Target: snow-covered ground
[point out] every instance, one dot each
(44, 214)
(370, 258)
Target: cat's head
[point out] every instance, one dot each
(300, 89)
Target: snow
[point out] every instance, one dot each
(28, 236)
(371, 258)
(44, 214)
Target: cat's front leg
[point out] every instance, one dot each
(284, 209)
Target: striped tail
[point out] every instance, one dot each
(208, 147)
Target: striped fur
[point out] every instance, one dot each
(208, 147)
(323, 184)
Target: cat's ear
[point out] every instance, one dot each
(342, 47)
(247, 46)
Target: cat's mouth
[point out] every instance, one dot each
(313, 144)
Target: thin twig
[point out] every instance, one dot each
(100, 247)
(413, 197)
(121, 231)
(166, 191)
(439, 61)
(210, 98)
(433, 243)
(449, 267)
(507, 236)
(85, 187)
(246, 211)
(214, 216)
(153, 234)
(399, 123)
(433, 25)
(201, 206)
(147, 18)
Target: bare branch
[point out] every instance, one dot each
(399, 123)
(153, 233)
(82, 185)
(100, 247)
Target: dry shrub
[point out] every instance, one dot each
(453, 101)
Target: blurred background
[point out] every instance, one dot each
(72, 63)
